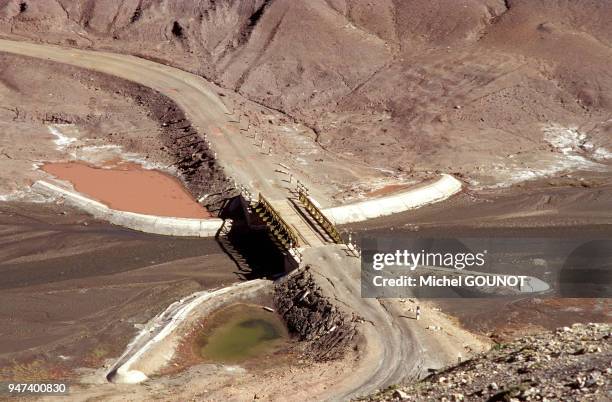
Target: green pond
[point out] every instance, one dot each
(241, 332)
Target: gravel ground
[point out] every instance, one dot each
(569, 364)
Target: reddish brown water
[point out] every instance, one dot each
(129, 187)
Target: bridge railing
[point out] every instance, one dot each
(279, 228)
(318, 215)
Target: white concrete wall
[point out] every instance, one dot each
(156, 343)
(439, 190)
(145, 223)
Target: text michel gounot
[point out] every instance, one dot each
(451, 281)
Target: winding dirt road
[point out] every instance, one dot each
(395, 349)
(395, 352)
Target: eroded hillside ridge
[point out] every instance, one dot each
(569, 364)
(326, 331)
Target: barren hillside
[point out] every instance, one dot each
(495, 91)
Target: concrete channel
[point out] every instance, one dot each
(162, 225)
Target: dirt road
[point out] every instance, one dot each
(399, 348)
(393, 351)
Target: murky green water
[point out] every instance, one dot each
(241, 332)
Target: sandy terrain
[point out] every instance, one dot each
(577, 203)
(502, 320)
(74, 290)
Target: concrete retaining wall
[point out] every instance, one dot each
(439, 190)
(145, 223)
(156, 344)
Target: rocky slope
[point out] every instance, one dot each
(193, 158)
(570, 364)
(325, 329)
